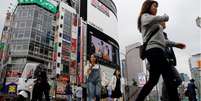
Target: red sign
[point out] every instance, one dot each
(73, 46)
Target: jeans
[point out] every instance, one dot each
(69, 97)
(79, 99)
(94, 90)
(158, 66)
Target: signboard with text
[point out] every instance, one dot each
(43, 3)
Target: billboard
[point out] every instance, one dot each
(43, 3)
(101, 48)
(195, 61)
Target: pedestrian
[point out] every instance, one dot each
(191, 90)
(41, 85)
(149, 26)
(68, 91)
(53, 87)
(93, 79)
(45, 85)
(117, 85)
(78, 93)
(174, 78)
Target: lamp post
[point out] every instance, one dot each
(198, 21)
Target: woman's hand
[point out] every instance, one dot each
(180, 45)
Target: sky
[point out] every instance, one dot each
(181, 26)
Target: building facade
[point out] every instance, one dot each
(134, 65)
(195, 68)
(31, 36)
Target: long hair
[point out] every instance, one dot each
(117, 69)
(146, 6)
(94, 56)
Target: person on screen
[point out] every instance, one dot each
(92, 49)
(102, 48)
(106, 53)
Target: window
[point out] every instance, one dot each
(21, 24)
(61, 25)
(54, 28)
(62, 17)
(24, 13)
(37, 38)
(27, 33)
(28, 24)
(36, 49)
(20, 35)
(59, 54)
(13, 47)
(59, 44)
(58, 64)
(19, 47)
(60, 35)
(25, 47)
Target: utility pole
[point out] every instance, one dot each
(198, 21)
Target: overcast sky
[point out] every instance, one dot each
(180, 28)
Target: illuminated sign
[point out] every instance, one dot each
(43, 3)
(100, 6)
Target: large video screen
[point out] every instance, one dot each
(102, 49)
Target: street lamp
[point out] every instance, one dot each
(198, 21)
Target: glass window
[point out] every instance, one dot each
(59, 44)
(20, 35)
(37, 38)
(59, 54)
(13, 47)
(22, 24)
(36, 49)
(58, 64)
(19, 47)
(60, 34)
(24, 13)
(30, 13)
(27, 33)
(25, 47)
(28, 24)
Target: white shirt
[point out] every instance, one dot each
(79, 92)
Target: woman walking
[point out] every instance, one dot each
(117, 85)
(149, 25)
(93, 80)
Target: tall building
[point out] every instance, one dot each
(66, 41)
(195, 68)
(31, 36)
(134, 65)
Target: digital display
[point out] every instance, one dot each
(101, 49)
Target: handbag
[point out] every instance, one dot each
(174, 77)
(142, 48)
(104, 91)
(170, 53)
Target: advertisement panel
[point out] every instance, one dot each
(43, 3)
(61, 84)
(195, 61)
(101, 48)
